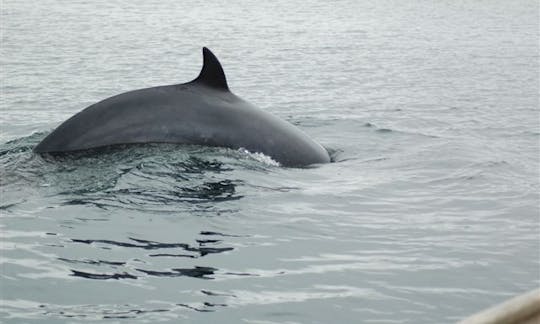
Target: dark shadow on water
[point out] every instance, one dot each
(212, 191)
(202, 310)
(102, 276)
(152, 245)
(210, 243)
(195, 272)
(93, 262)
(220, 234)
(172, 255)
(136, 198)
(212, 293)
(131, 313)
(90, 311)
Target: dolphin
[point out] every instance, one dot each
(201, 112)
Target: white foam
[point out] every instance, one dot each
(260, 157)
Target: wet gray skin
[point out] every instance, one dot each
(201, 112)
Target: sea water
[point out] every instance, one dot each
(429, 213)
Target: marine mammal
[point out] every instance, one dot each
(202, 112)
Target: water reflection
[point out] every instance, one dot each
(195, 272)
(102, 276)
(202, 247)
(152, 245)
(212, 191)
(151, 184)
(195, 308)
(93, 262)
(140, 177)
(146, 195)
(93, 312)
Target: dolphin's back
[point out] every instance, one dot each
(202, 112)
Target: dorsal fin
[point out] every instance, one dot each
(212, 74)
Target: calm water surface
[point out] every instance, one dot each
(430, 212)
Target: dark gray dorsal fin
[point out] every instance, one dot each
(212, 74)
